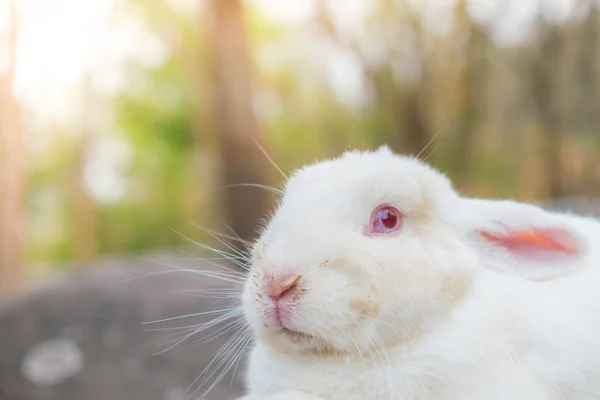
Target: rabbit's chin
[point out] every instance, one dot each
(289, 341)
(353, 340)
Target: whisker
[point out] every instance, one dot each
(233, 236)
(177, 343)
(222, 253)
(239, 357)
(176, 328)
(432, 151)
(262, 150)
(230, 247)
(229, 276)
(232, 325)
(197, 329)
(229, 272)
(208, 296)
(384, 360)
(189, 316)
(196, 257)
(219, 252)
(210, 262)
(230, 345)
(357, 347)
(149, 274)
(429, 143)
(234, 356)
(256, 185)
(206, 290)
(246, 243)
(221, 294)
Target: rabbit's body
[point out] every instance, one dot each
(347, 307)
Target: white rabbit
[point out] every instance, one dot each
(374, 280)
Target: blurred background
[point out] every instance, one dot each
(126, 124)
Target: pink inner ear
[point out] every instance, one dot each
(534, 241)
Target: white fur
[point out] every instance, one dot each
(428, 313)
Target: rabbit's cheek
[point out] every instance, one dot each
(457, 285)
(366, 305)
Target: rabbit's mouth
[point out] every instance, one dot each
(295, 336)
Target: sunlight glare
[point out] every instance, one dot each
(4, 27)
(4, 18)
(62, 41)
(54, 49)
(558, 11)
(104, 173)
(287, 11)
(185, 7)
(514, 22)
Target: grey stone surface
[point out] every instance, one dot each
(84, 337)
(52, 362)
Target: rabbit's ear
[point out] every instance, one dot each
(523, 239)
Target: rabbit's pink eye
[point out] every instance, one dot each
(385, 219)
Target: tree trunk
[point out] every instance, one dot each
(12, 177)
(236, 123)
(472, 80)
(587, 76)
(414, 125)
(546, 74)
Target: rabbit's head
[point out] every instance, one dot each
(372, 249)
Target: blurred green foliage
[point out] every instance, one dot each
(468, 95)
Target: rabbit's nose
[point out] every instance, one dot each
(277, 286)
